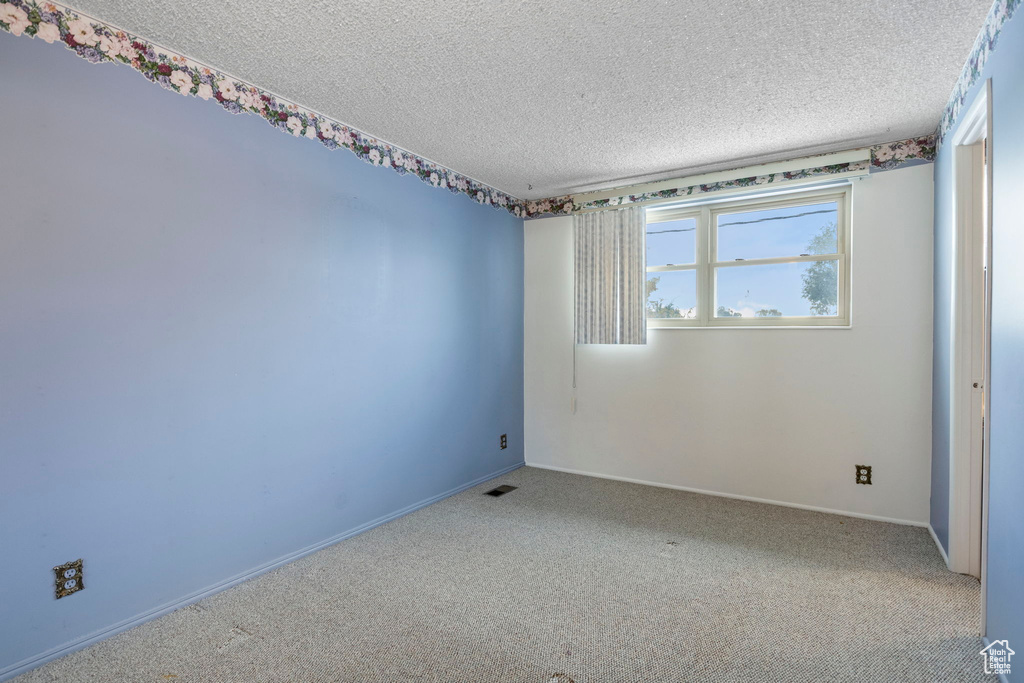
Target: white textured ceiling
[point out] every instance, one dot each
(567, 95)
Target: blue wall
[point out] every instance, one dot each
(1006, 459)
(220, 345)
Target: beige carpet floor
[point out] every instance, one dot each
(595, 580)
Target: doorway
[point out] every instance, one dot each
(970, 333)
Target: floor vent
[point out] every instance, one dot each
(501, 490)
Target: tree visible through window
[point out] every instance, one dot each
(777, 261)
(821, 277)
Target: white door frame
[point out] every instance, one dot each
(968, 470)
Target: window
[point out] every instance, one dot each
(753, 262)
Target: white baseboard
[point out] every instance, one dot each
(799, 506)
(79, 643)
(942, 551)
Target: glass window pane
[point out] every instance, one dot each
(770, 233)
(672, 294)
(777, 290)
(672, 243)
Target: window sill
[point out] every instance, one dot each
(751, 327)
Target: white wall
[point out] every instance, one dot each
(774, 414)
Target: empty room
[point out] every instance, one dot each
(540, 342)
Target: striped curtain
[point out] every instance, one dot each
(611, 273)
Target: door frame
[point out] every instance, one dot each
(970, 334)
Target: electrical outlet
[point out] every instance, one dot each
(504, 441)
(68, 578)
(863, 474)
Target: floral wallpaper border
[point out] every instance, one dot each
(748, 181)
(1001, 12)
(98, 42)
(883, 157)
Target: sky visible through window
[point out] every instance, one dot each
(771, 289)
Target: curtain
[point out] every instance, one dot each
(611, 274)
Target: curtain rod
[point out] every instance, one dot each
(783, 187)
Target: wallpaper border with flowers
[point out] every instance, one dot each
(99, 42)
(883, 157)
(1001, 12)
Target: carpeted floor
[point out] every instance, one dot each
(595, 580)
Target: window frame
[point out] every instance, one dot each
(706, 214)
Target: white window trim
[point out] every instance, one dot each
(707, 246)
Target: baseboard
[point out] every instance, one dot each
(751, 499)
(942, 551)
(77, 644)
(1002, 677)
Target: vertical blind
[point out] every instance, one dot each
(611, 273)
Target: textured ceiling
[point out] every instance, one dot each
(569, 95)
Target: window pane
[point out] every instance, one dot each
(792, 231)
(672, 243)
(672, 294)
(777, 290)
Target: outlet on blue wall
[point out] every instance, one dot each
(221, 345)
